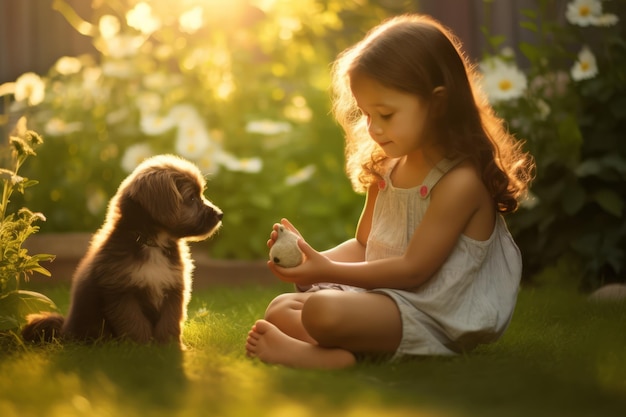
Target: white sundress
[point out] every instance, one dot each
(470, 299)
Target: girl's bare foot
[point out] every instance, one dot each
(266, 342)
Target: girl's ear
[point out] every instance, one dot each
(439, 99)
(439, 91)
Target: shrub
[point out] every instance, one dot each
(570, 106)
(237, 89)
(16, 264)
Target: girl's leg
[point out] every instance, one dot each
(358, 322)
(341, 323)
(285, 312)
(268, 343)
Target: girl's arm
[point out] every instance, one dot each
(460, 199)
(352, 250)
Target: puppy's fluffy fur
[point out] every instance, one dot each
(134, 281)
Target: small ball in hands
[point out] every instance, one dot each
(285, 251)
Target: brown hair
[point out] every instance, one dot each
(416, 54)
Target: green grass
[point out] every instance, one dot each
(562, 356)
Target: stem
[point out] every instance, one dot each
(8, 188)
(6, 193)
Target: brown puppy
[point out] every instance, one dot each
(135, 280)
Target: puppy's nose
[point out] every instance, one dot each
(219, 215)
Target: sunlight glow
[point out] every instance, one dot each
(191, 20)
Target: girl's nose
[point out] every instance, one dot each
(374, 129)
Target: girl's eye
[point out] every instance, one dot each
(386, 116)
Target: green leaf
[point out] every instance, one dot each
(530, 51)
(16, 305)
(604, 167)
(532, 26)
(610, 201)
(570, 138)
(573, 199)
(589, 167)
(618, 108)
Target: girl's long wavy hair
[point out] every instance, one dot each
(416, 54)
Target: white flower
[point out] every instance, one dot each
(300, 176)
(543, 108)
(91, 78)
(96, 200)
(582, 12)
(92, 86)
(207, 162)
(192, 140)
(5, 174)
(191, 20)
(118, 69)
(134, 155)
(156, 81)
(298, 110)
(530, 201)
(7, 88)
(31, 88)
(606, 20)
(250, 165)
(502, 81)
(58, 127)
(267, 127)
(184, 114)
(226, 87)
(153, 124)
(141, 18)
(117, 116)
(589, 12)
(507, 52)
(109, 26)
(148, 102)
(68, 65)
(122, 46)
(585, 67)
(232, 163)
(202, 312)
(288, 26)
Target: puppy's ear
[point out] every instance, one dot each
(156, 192)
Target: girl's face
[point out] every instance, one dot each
(396, 120)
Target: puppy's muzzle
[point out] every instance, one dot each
(219, 215)
(213, 216)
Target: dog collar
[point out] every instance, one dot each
(146, 241)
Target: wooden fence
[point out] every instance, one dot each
(33, 35)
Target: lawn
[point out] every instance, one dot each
(562, 356)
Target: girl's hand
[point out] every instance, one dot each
(274, 233)
(307, 273)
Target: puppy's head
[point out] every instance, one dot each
(170, 191)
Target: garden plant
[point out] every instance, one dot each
(240, 88)
(243, 92)
(16, 264)
(569, 104)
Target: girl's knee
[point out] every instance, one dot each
(321, 315)
(281, 305)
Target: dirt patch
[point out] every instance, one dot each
(69, 248)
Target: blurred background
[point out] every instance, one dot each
(241, 88)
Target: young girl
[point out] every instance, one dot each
(433, 269)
